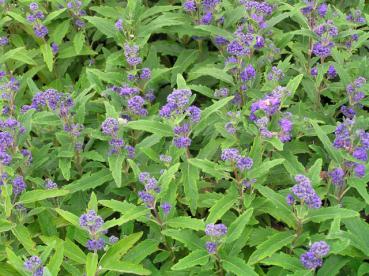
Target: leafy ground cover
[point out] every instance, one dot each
(196, 137)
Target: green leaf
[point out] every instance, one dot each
(237, 266)
(126, 267)
(271, 245)
(119, 249)
(237, 226)
(335, 154)
(37, 195)
(197, 257)
(283, 260)
(207, 112)
(166, 178)
(89, 181)
(279, 204)
(57, 259)
(294, 83)
(185, 236)
(358, 234)
(220, 207)
(264, 168)
(152, 127)
(360, 184)
(103, 25)
(327, 213)
(73, 252)
(68, 216)
(186, 222)
(212, 71)
(55, 14)
(24, 237)
(6, 225)
(65, 164)
(333, 265)
(48, 55)
(190, 175)
(216, 31)
(115, 166)
(142, 250)
(91, 264)
(209, 167)
(78, 41)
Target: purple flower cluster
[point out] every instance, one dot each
(4, 40)
(305, 192)
(337, 176)
(356, 143)
(91, 222)
(177, 103)
(151, 189)
(258, 11)
(35, 17)
(275, 74)
(181, 139)
(356, 16)
(311, 9)
(166, 207)
(50, 185)
(95, 244)
(286, 127)
(131, 52)
(9, 86)
(136, 106)
(19, 186)
(326, 32)
(165, 158)
(215, 232)
(233, 155)
(313, 258)
(354, 93)
(205, 8)
(34, 265)
(75, 8)
(119, 25)
(221, 92)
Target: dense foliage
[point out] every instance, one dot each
(195, 137)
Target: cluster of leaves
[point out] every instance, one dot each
(184, 137)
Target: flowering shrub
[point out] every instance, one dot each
(184, 137)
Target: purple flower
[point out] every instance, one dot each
(147, 198)
(18, 185)
(343, 138)
(230, 128)
(145, 74)
(54, 48)
(179, 98)
(244, 163)
(110, 126)
(4, 40)
(310, 261)
(95, 245)
(314, 71)
(165, 158)
(236, 48)
(33, 6)
(5, 159)
(211, 247)
(322, 10)
(337, 175)
(230, 154)
(216, 230)
(165, 206)
(206, 18)
(182, 142)
(248, 73)
(320, 248)
(360, 153)
(49, 184)
(91, 222)
(221, 92)
(290, 199)
(220, 40)
(285, 124)
(113, 239)
(322, 50)
(135, 105)
(331, 72)
(305, 192)
(270, 104)
(131, 151)
(189, 6)
(40, 30)
(34, 265)
(275, 74)
(359, 170)
(116, 144)
(194, 113)
(119, 25)
(131, 54)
